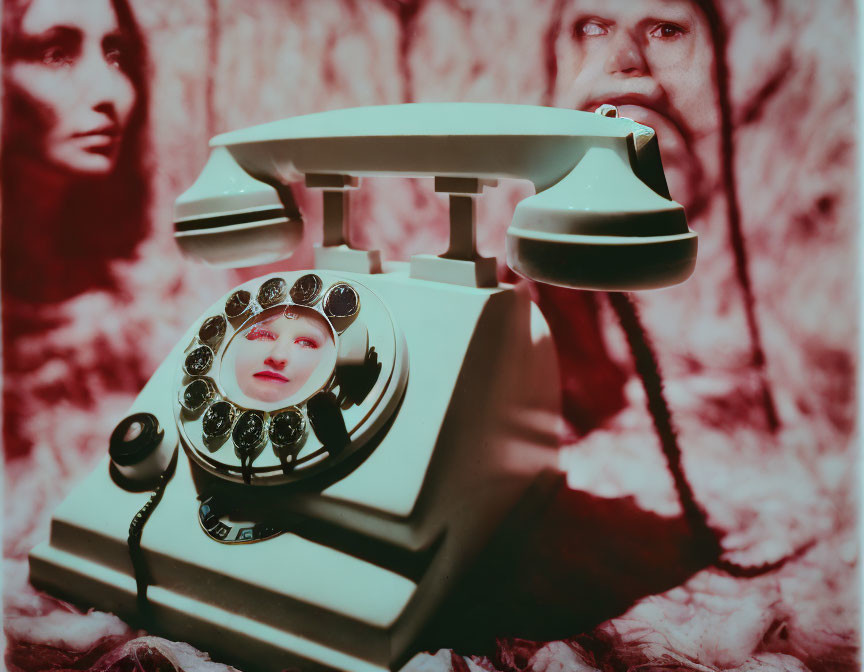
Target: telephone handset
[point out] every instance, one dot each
(602, 217)
(367, 424)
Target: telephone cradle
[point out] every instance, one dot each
(353, 434)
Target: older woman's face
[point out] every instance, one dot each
(277, 356)
(654, 60)
(67, 61)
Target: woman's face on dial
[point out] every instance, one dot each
(278, 355)
(68, 61)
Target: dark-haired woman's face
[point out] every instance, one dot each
(68, 63)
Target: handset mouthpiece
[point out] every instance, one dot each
(601, 228)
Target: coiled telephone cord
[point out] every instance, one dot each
(648, 369)
(136, 529)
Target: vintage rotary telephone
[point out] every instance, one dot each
(366, 425)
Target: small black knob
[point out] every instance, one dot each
(134, 439)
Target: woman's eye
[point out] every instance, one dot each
(57, 56)
(306, 343)
(589, 29)
(115, 57)
(256, 334)
(116, 51)
(667, 31)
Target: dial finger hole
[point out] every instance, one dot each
(341, 301)
(218, 420)
(272, 292)
(287, 428)
(306, 290)
(212, 330)
(248, 434)
(196, 394)
(199, 361)
(237, 304)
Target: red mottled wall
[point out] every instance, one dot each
(757, 351)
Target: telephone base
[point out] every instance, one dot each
(220, 632)
(174, 613)
(366, 555)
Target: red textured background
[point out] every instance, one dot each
(764, 411)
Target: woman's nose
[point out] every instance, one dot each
(109, 90)
(276, 361)
(278, 357)
(626, 57)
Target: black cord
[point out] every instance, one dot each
(136, 528)
(648, 369)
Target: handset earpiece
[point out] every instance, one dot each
(229, 219)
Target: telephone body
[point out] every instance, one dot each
(317, 516)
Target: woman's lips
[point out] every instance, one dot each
(271, 375)
(98, 143)
(109, 131)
